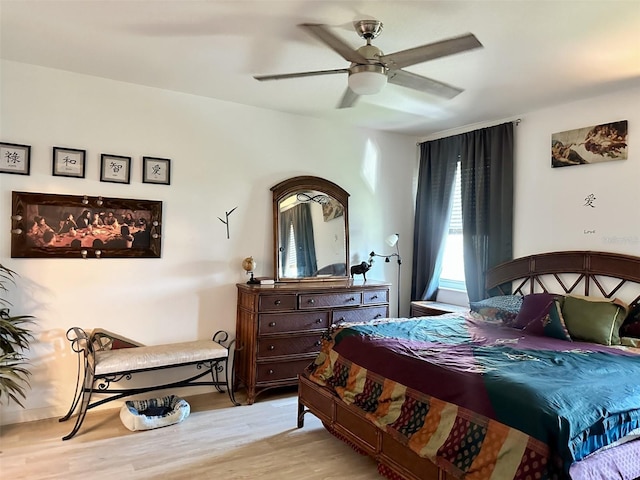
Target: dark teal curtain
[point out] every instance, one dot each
(438, 160)
(285, 224)
(486, 158)
(300, 217)
(487, 202)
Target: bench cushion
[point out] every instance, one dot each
(155, 356)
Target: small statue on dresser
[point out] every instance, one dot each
(361, 269)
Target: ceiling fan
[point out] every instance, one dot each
(370, 69)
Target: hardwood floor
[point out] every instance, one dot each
(216, 441)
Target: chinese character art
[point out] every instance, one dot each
(589, 201)
(12, 157)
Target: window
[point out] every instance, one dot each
(291, 267)
(452, 276)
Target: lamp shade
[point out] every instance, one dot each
(392, 239)
(367, 79)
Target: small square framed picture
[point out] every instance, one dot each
(115, 168)
(156, 170)
(68, 162)
(15, 158)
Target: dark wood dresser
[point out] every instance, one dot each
(278, 327)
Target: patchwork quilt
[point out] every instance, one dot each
(482, 400)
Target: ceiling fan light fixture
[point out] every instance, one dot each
(367, 79)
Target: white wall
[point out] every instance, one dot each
(550, 210)
(223, 156)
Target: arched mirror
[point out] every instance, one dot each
(310, 230)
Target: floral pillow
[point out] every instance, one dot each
(502, 308)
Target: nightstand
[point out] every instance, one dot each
(432, 309)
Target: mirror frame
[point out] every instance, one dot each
(289, 187)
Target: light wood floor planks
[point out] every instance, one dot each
(216, 441)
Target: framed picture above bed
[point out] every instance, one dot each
(70, 226)
(594, 144)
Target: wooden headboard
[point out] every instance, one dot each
(579, 272)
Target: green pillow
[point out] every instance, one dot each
(594, 319)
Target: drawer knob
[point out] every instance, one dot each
(318, 343)
(271, 372)
(318, 320)
(378, 315)
(272, 347)
(277, 302)
(311, 301)
(352, 299)
(374, 297)
(341, 319)
(272, 324)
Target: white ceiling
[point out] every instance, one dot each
(537, 53)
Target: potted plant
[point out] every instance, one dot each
(15, 335)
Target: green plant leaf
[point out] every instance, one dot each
(15, 337)
(13, 377)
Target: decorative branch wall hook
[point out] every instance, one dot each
(226, 222)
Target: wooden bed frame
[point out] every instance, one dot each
(578, 272)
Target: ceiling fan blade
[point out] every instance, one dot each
(423, 84)
(404, 58)
(349, 98)
(282, 76)
(322, 33)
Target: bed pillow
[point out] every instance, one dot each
(503, 308)
(552, 323)
(594, 319)
(631, 325)
(534, 307)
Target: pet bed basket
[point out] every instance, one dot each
(154, 412)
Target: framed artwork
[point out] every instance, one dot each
(115, 168)
(68, 162)
(332, 209)
(595, 144)
(70, 226)
(156, 170)
(15, 158)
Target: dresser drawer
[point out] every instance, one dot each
(271, 347)
(358, 314)
(324, 300)
(292, 322)
(270, 303)
(376, 296)
(274, 371)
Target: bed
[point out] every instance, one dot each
(540, 380)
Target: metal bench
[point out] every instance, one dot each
(102, 369)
